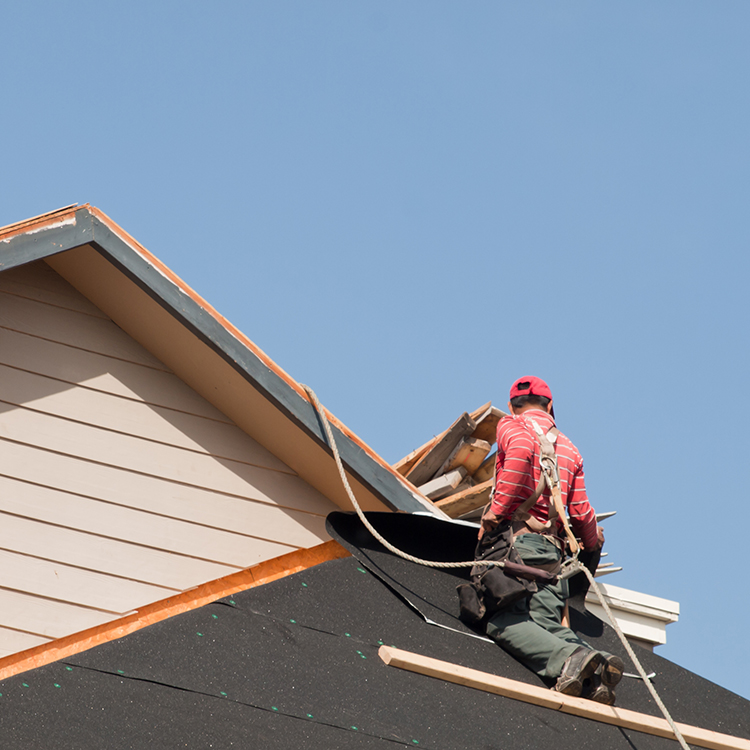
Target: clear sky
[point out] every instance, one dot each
(410, 204)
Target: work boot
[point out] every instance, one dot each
(596, 690)
(578, 667)
(611, 669)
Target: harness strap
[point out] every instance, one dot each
(549, 470)
(522, 511)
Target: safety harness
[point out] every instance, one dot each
(549, 475)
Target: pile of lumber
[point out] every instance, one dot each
(456, 468)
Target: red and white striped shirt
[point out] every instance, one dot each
(518, 473)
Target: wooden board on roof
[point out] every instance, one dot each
(487, 469)
(464, 502)
(426, 468)
(407, 462)
(469, 454)
(487, 422)
(444, 484)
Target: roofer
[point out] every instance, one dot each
(531, 629)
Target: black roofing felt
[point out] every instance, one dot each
(294, 663)
(90, 229)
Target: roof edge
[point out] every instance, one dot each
(257, 575)
(50, 217)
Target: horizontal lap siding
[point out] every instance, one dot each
(105, 554)
(16, 640)
(119, 485)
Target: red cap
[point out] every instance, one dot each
(530, 386)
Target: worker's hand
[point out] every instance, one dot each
(489, 521)
(599, 537)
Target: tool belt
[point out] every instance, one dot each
(493, 588)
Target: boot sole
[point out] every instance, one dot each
(574, 686)
(612, 670)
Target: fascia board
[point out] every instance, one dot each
(87, 225)
(37, 241)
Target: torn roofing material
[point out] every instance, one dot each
(296, 661)
(67, 238)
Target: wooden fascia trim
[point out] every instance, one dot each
(37, 223)
(262, 573)
(546, 698)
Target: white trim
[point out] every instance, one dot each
(639, 615)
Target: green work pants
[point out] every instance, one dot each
(532, 629)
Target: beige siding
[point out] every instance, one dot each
(119, 484)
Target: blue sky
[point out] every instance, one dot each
(410, 204)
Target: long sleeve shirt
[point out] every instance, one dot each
(518, 472)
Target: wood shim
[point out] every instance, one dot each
(466, 501)
(540, 696)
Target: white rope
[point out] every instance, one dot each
(633, 657)
(363, 518)
(471, 563)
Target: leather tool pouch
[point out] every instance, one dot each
(491, 588)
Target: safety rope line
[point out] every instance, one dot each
(363, 518)
(633, 657)
(570, 566)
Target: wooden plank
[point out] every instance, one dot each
(487, 424)
(487, 469)
(546, 698)
(444, 484)
(405, 464)
(72, 328)
(466, 501)
(426, 468)
(134, 454)
(261, 510)
(131, 525)
(132, 417)
(102, 373)
(47, 617)
(478, 413)
(469, 453)
(37, 281)
(81, 549)
(54, 580)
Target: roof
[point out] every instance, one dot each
(295, 662)
(160, 311)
